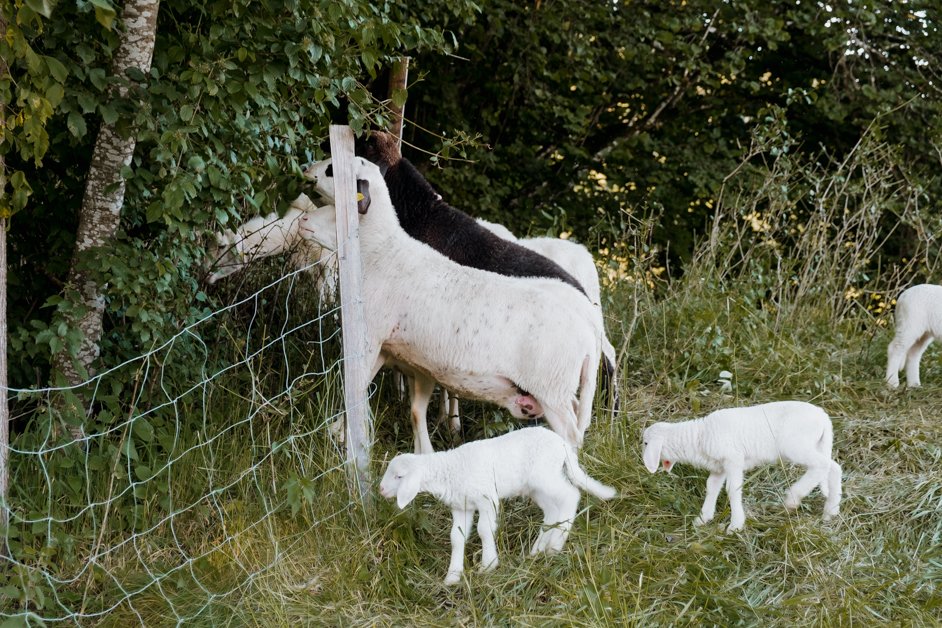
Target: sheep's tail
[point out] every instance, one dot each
(588, 382)
(610, 375)
(582, 479)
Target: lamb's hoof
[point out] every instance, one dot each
(734, 527)
(700, 521)
(791, 504)
(830, 515)
(485, 567)
(453, 577)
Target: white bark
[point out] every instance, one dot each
(104, 189)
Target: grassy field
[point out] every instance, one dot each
(636, 560)
(220, 498)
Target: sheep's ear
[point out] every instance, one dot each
(652, 454)
(363, 195)
(409, 488)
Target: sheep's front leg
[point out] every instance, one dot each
(734, 480)
(462, 520)
(487, 527)
(714, 484)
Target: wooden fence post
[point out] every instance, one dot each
(355, 370)
(398, 80)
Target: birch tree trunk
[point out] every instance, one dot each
(104, 191)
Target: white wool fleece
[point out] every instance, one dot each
(729, 442)
(532, 462)
(918, 323)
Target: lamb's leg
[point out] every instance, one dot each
(913, 357)
(567, 504)
(896, 356)
(487, 528)
(462, 520)
(714, 484)
(734, 480)
(422, 388)
(814, 475)
(833, 501)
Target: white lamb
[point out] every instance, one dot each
(532, 462)
(918, 322)
(729, 442)
(270, 235)
(522, 343)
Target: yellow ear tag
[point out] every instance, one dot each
(360, 196)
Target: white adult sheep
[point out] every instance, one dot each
(522, 343)
(729, 442)
(270, 235)
(918, 322)
(575, 259)
(532, 462)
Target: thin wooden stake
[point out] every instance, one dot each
(353, 322)
(398, 79)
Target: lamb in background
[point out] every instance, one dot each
(918, 322)
(532, 462)
(462, 326)
(729, 442)
(270, 235)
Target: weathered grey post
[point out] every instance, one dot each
(355, 370)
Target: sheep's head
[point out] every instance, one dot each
(654, 452)
(382, 149)
(403, 479)
(223, 257)
(322, 174)
(320, 226)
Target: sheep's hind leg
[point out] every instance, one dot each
(913, 357)
(487, 527)
(460, 529)
(422, 388)
(811, 478)
(562, 419)
(895, 358)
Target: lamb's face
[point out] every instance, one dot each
(321, 173)
(402, 479)
(656, 448)
(223, 258)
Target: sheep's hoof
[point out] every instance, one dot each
(792, 503)
(733, 527)
(485, 567)
(700, 521)
(453, 577)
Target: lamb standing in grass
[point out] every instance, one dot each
(532, 462)
(918, 322)
(729, 442)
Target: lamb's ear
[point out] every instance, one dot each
(409, 488)
(363, 195)
(652, 454)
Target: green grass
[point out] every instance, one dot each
(636, 560)
(264, 532)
